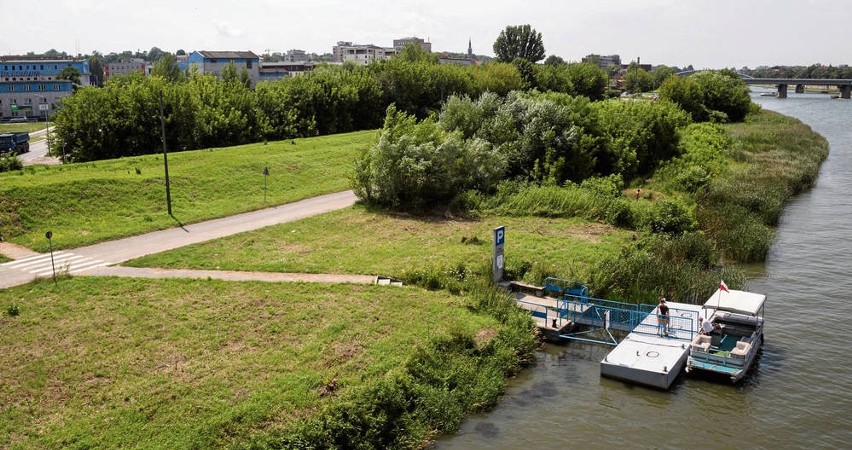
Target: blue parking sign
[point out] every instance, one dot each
(499, 235)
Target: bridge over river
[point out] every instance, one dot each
(845, 85)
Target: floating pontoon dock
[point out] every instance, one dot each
(643, 357)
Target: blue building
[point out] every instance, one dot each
(29, 88)
(213, 62)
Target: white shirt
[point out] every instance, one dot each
(707, 326)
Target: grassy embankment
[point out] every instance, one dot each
(108, 363)
(359, 241)
(92, 202)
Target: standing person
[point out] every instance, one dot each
(664, 317)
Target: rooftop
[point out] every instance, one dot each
(228, 54)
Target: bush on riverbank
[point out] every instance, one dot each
(440, 384)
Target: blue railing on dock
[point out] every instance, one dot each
(559, 287)
(626, 317)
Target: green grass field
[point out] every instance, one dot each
(91, 202)
(107, 363)
(362, 242)
(28, 127)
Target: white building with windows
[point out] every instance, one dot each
(362, 54)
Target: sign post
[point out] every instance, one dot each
(49, 236)
(265, 176)
(498, 263)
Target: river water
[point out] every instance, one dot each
(798, 396)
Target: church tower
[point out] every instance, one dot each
(469, 50)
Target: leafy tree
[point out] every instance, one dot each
(661, 73)
(96, 67)
(155, 54)
(687, 93)
(638, 80)
(167, 68)
(230, 74)
(520, 41)
(245, 77)
(527, 71)
(587, 80)
(180, 52)
(499, 78)
(554, 60)
(71, 74)
(416, 53)
(725, 93)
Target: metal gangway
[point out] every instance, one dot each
(575, 306)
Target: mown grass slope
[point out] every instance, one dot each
(359, 241)
(91, 202)
(107, 363)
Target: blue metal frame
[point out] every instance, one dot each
(581, 309)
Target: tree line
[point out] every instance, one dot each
(122, 118)
(812, 71)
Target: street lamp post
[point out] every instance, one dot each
(46, 108)
(165, 157)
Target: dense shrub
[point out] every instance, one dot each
(10, 161)
(686, 93)
(724, 92)
(704, 149)
(576, 79)
(421, 165)
(640, 135)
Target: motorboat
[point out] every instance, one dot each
(731, 349)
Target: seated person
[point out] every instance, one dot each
(707, 327)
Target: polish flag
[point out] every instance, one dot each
(723, 286)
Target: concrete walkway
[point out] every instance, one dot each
(84, 259)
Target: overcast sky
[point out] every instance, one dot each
(704, 33)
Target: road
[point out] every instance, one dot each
(38, 152)
(74, 261)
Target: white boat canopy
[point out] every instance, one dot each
(739, 302)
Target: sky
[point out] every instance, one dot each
(703, 33)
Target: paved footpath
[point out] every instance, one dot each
(83, 259)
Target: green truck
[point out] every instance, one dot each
(15, 143)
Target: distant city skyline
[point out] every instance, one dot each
(703, 33)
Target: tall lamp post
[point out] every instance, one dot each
(165, 156)
(45, 107)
